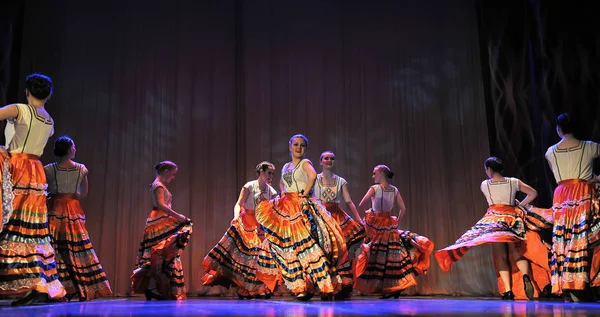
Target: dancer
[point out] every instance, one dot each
(79, 269)
(504, 227)
(575, 255)
(27, 263)
(305, 243)
(233, 260)
(158, 272)
(392, 258)
(332, 191)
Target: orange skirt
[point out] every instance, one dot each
(26, 255)
(353, 233)
(79, 270)
(159, 256)
(503, 223)
(392, 258)
(304, 245)
(575, 255)
(234, 259)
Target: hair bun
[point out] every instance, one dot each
(390, 174)
(157, 166)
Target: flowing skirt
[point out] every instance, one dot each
(26, 255)
(159, 256)
(503, 223)
(303, 245)
(235, 257)
(79, 269)
(392, 258)
(353, 233)
(575, 255)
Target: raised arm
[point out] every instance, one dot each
(240, 203)
(9, 111)
(159, 193)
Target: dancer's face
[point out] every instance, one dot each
(267, 176)
(297, 148)
(377, 175)
(328, 161)
(169, 176)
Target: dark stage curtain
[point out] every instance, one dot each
(218, 86)
(542, 58)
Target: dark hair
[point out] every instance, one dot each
(263, 166)
(387, 172)
(39, 86)
(62, 145)
(564, 123)
(495, 164)
(295, 136)
(164, 166)
(326, 152)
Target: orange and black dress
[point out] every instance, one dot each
(79, 269)
(330, 196)
(235, 257)
(392, 259)
(504, 222)
(159, 255)
(575, 255)
(27, 260)
(303, 244)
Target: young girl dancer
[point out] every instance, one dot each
(158, 272)
(79, 270)
(233, 260)
(392, 258)
(332, 191)
(305, 244)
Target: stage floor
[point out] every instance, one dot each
(280, 306)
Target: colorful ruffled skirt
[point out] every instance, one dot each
(79, 269)
(27, 260)
(235, 257)
(303, 245)
(575, 254)
(504, 223)
(391, 259)
(353, 233)
(159, 256)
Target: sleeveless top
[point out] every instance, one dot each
(28, 132)
(168, 198)
(384, 198)
(256, 195)
(573, 163)
(501, 193)
(294, 178)
(65, 180)
(332, 193)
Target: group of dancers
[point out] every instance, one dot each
(308, 238)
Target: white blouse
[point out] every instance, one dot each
(65, 180)
(573, 163)
(501, 193)
(257, 195)
(384, 198)
(294, 178)
(332, 193)
(28, 132)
